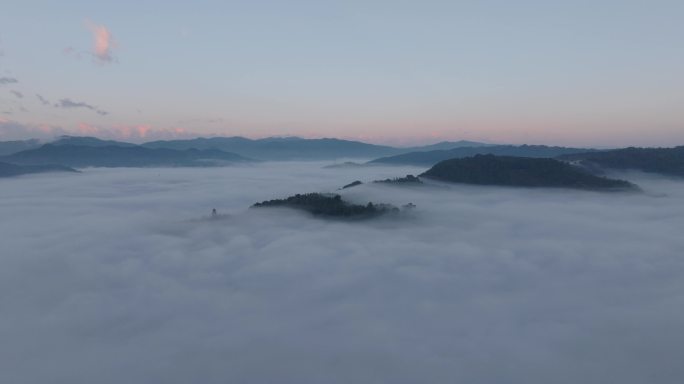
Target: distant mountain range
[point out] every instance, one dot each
(74, 151)
(77, 151)
(447, 145)
(90, 142)
(666, 161)
(520, 172)
(296, 148)
(121, 156)
(9, 170)
(428, 158)
(289, 148)
(273, 148)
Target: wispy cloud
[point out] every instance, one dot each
(42, 99)
(68, 103)
(8, 80)
(14, 130)
(133, 132)
(18, 94)
(103, 43)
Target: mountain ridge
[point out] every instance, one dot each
(270, 148)
(80, 156)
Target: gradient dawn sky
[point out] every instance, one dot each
(604, 73)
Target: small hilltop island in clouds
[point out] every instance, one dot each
(330, 206)
(306, 192)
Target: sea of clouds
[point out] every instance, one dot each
(121, 276)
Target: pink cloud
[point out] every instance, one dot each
(133, 132)
(86, 129)
(13, 130)
(103, 43)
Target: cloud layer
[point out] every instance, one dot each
(116, 276)
(13, 130)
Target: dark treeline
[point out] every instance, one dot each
(408, 179)
(329, 205)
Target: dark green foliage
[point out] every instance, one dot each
(271, 148)
(8, 170)
(408, 179)
(328, 205)
(521, 172)
(352, 184)
(666, 161)
(449, 145)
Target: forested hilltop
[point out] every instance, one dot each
(520, 172)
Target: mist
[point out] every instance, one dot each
(121, 276)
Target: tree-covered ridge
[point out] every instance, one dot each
(408, 179)
(329, 205)
(666, 161)
(521, 172)
(9, 170)
(352, 184)
(345, 165)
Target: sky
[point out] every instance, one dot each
(604, 73)
(475, 285)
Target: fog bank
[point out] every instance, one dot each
(119, 275)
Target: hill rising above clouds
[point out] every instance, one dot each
(520, 172)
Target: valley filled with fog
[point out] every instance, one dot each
(122, 276)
